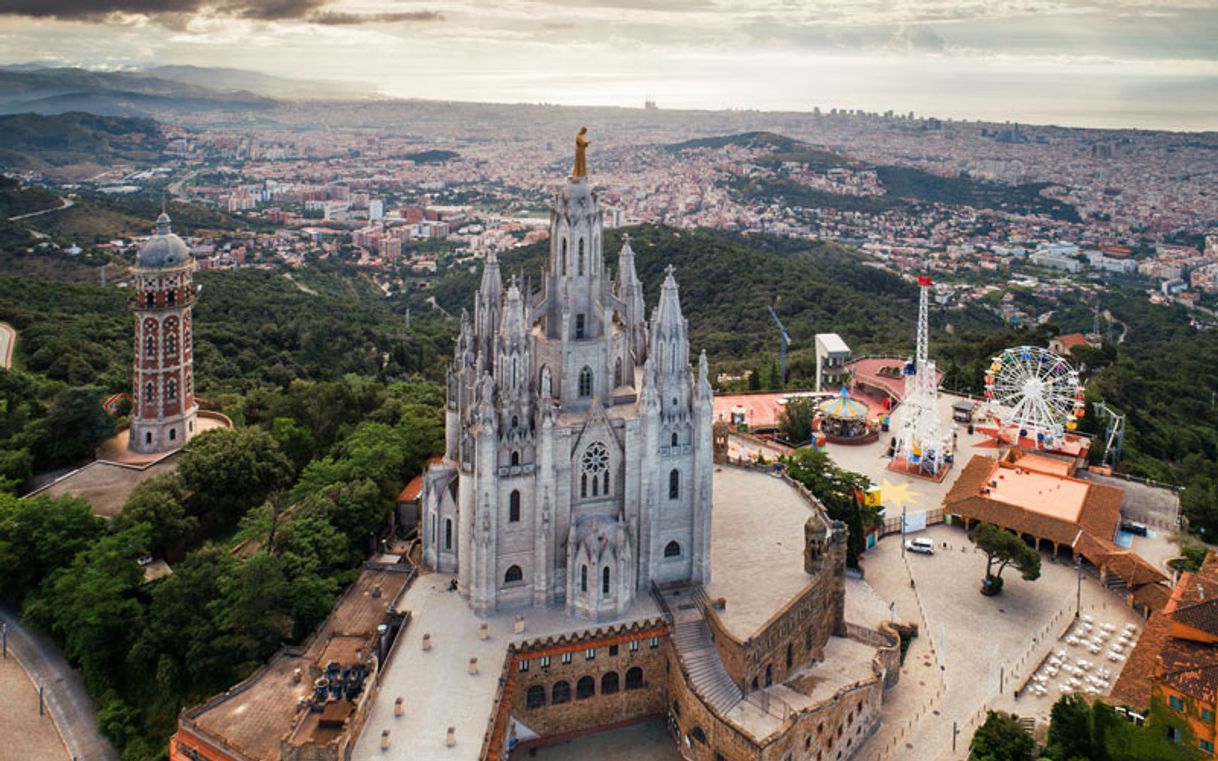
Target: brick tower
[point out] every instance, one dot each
(163, 405)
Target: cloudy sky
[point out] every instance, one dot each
(1151, 63)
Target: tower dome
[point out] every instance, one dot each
(164, 249)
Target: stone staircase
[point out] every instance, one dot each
(692, 638)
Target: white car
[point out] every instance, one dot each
(924, 546)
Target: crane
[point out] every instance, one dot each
(782, 351)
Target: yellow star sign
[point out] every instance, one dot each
(897, 496)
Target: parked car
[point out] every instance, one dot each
(1133, 527)
(924, 546)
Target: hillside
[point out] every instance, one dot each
(34, 141)
(903, 186)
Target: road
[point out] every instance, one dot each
(63, 204)
(8, 339)
(66, 697)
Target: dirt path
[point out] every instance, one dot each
(27, 735)
(8, 339)
(64, 203)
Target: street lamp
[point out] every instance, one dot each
(1078, 594)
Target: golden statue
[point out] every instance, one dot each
(581, 154)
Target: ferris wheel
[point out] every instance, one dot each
(1036, 393)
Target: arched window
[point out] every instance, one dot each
(171, 344)
(583, 486)
(564, 257)
(173, 434)
(150, 346)
(513, 575)
(697, 734)
(605, 478)
(515, 455)
(605, 580)
(171, 390)
(585, 382)
(672, 550)
(171, 297)
(148, 438)
(585, 688)
(609, 683)
(769, 675)
(514, 506)
(560, 693)
(674, 438)
(790, 656)
(535, 697)
(595, 486)
(634, 678)
(149, 299)
(515, 422)
(581, 257)
(583, 578)
(674, 484)
(448, 533)
(617, 373)
(149, 392)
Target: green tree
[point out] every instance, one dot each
(230, 470)
(253, 609)
(1001, 738)
(75, 424)
(754, 379)
(1070, 730)
(294, 441)
(795, 419)
(159, 503)
(838, 491)
(39, 536)
(1002, 548)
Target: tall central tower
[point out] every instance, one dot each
(578, 464)
(163, 405)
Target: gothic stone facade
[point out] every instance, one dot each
(163, 408)
(577, 468)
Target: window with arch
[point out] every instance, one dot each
(149, 392)
(171, 344)
(617, 372)
(790, 656)
(515, 422)
(581, 257)
(171, 297)
(634, 678)
(535, 697)
(514, 506)
(560, 693)
(675, 438)
(173, 434)
(585, 382)
(171, 390)
(674, 484)
(448, 533)
(595, 466)
(769, 675)
(515, 457)
(672, 550)
(583, 578)
(610, 683)
(150, 346)
(513, 575)
(585, 688)
(605, 580)
(697, 734)
(149, 299)
(148, 438)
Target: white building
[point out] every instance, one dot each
(376, 209)
(832, 354)
(577, 468)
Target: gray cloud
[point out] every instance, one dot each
(172, 12)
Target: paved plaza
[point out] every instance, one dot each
(26, 734)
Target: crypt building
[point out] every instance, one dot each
(577, 466)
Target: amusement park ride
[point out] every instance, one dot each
(919, 450)
(1034, 396)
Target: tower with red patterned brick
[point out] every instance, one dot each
(163, 408)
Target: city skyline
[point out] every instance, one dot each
(1129, 63)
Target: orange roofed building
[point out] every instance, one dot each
(1176, 660)
(1038, 498)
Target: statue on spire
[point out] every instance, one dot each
(581, 154)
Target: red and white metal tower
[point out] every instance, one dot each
(919, 444)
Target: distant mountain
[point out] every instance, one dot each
(240, 80)
(36, 141)
(54, 91)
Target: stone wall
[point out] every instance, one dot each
(626, 679)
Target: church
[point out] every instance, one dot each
(578, 456)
